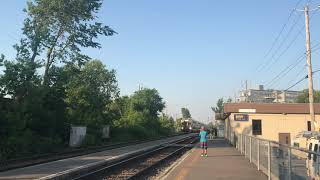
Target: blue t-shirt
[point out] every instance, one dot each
(203, 136)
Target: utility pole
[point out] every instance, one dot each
(310, 81)
(246, 85)
(140, 86)
(246, 91)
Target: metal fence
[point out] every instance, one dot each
(278, 161)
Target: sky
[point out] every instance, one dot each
(195, 52)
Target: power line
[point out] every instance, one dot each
(286, 72)
(282, 29)
(291, 43)
(285, 50)
(279, 34)
(289, 70)
(286, 37)
(283, 42)
(299, 59)
(303, 67)
(298, 75)
(296, 83)
(290, 67)
(306, 77)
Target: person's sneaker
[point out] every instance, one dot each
(201, 155)
(206, 155)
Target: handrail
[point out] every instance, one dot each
(277, 161)
(285, 145)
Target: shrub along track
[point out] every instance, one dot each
(44, 158)
(142, 166)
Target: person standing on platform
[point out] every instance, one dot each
(203, 141)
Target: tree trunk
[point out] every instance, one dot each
(50, 59)
(46, 71)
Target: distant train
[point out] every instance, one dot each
(190, 125)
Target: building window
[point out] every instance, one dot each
(309, 125)
(256, 127)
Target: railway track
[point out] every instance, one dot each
(142, 166)
(44, 158)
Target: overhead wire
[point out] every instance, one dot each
(270, 61)
(286, 49)
(290, 67)
(302, 69)
(296, 83)
(286, 70)
(291, 43)
(287, 36)
(279, 35)
(299, 59)
(282, 29)
(276, 53)
(306, 77)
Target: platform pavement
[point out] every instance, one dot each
(223, 162)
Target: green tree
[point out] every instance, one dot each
(148, 100)
(18, 79)
(34, 124)
(117, 109)
(304, 97)
(185, 113)
(167, 124)
(58, 30)
(34, 118)
(149, 103)
(1, 59)
(139, 113)
(89, 92)
(178, 124)
(219, 106)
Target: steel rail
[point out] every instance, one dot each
(50, 157)
(144, 170)
(162, 147)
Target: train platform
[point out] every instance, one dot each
(61, 168)
(223, 162)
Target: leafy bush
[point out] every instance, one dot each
(27, 143)
(89, 140)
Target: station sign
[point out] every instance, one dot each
(241, 117)
(247, 110)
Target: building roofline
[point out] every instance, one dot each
(271, 108)
(271, 90)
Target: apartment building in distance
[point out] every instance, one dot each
(261, 95)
